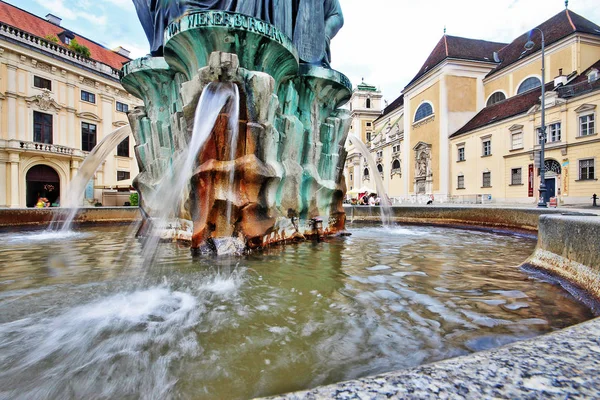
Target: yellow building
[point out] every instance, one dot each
(471, 118)
(495, 156)
(56, 104)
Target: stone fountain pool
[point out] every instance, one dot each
(82, 316)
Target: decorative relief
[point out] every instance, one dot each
(88, 82)
(44, 67)
(89, 115)
(43, 101)
(424, 121)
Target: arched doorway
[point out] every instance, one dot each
(42, 181)
(552, 177)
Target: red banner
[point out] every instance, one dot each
(531, 180)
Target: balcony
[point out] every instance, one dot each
(43, 148)
(14, 34)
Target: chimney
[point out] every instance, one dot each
(122, 51)
(560, 79)
(53, 19)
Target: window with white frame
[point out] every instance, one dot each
(380, 168)
(486, 147)
(424, 111)
(461, 153)
(368, 136)
(460, 184)
(587, 125)
(529, 84)
(379, 154)
(554, 132)
(541, 137)
(587, 170)
(516, 176)
(396, 165)
(496, 97)
(487, 179)
(516, 140)
(396, 148)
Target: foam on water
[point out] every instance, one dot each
(44, 236)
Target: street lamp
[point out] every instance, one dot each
(528, 46)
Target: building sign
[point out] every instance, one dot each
(565, 178)
(531, 176)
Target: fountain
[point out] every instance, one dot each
(275, 172)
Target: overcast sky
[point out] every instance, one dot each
(383, 41)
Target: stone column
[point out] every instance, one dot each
(11, 95)
(3, 180)
(14, 180)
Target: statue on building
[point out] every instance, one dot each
(311, 24)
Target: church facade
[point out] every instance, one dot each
(471, 119)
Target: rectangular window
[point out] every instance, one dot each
(88, 136)
(461, 154)
(586, 125)
(42, 128)
(541, 136)
(368, 136)
(516, 176)
(42, 83)
(87, 96)
(396, 149)
(461, 182)
(379, 154)
(487, 179)
(517, 141)
(121, 107)
(123, 175)
(123, 148)
(555, 132)
(487, 147)
(586, 170)
(368, 124)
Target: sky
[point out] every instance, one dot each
(383, 41)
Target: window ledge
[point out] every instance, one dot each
(489, 155)
(460, 188)
(517, 149)
(586, 136)
(124, 157)
(486, 187)
(88, 102)
(461, 161)
(585, 180)
(517, 184)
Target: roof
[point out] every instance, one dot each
(459, 48)
(556, 28)
(394, 105)
(503, 110)
(38, 26)
(366, 87)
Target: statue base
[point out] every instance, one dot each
(288, 168)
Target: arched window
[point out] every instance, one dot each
(529, 84)
(396, 165)
(366, 172)
(424, 111)
(368, 103)
(496, 97)
(553, 166)
(380, 168)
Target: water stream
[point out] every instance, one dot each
(76, 188)
(385, 205)
(233, 125)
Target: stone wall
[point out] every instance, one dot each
(39, 217)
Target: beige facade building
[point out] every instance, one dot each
(472, 117)
(55, 106)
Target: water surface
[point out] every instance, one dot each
(81, 317)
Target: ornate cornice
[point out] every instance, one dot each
(43, 101)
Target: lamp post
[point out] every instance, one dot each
(528, 46)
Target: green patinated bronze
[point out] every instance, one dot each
(292, 129)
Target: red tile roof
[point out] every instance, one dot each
(394, 105)
(556, 28)
(37, 26)
(459, 48)
(505, 109)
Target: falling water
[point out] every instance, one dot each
(87, 170)
(385, 205)
(234, 128)
(165, 202)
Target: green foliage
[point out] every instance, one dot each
(51, 38)
(79, 48)
(98, 205)
(134, 199)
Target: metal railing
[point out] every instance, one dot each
(578, 88)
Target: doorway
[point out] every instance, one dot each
(42, 181)
(550, 189)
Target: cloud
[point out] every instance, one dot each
(73, 11)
